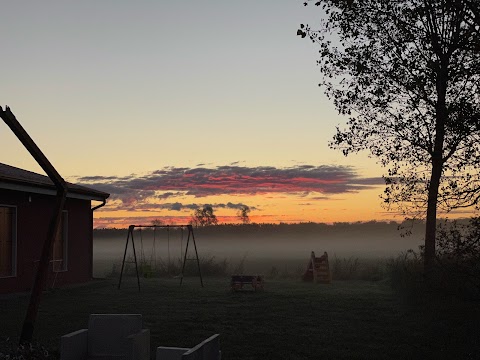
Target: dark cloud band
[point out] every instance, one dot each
(202, 181)
(171, 182)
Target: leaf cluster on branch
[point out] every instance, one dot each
(407, 76)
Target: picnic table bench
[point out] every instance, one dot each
(246, 282)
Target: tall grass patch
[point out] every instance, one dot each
(456, 271)
(209, 266)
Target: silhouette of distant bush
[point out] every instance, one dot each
(457, 266)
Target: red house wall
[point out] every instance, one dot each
(34, 212)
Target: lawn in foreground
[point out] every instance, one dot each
(289, 320)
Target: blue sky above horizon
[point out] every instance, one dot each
(121, 94)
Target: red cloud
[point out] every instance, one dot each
(234, 180)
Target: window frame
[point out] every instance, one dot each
(14, 242)
(65, 245)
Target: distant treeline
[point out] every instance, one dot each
(281, 228)
(309, 228)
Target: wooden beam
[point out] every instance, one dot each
(41, 275)
(42, 271)
(32, 148)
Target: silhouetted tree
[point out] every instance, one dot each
(204, 216)
(243, 214)
(407, 75)
(157, 222)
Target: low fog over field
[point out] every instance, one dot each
(260, 246)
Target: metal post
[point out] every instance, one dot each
(185, 258)
(135, 258)
(168, 246)
(125, 254)
(190, 229)
(154, 251)
(130, 232)
(181, 243)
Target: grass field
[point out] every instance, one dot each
(289, 320)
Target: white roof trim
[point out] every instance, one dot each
(43, 191)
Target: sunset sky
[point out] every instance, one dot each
(171, 105)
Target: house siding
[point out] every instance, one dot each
(34, 213)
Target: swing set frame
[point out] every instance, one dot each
(191, 235)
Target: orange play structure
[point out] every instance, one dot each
(318, 270)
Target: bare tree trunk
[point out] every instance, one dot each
(437, 165)
(431, 221)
